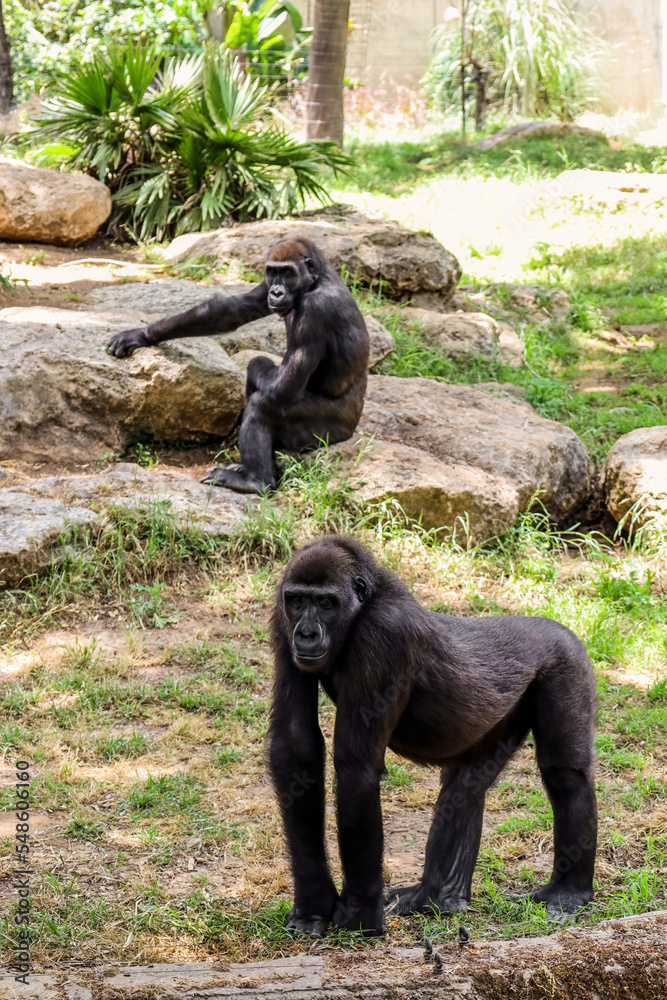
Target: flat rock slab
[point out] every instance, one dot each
(40, 520)
(635, 476)
(63, 398)
(372, 250)
(493, 455)
(610, 187)
(537, 304)
(619, 958)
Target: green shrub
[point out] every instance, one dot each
(540, 56)
(182, 148)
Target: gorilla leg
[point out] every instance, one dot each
(572, 796)
(256, 473)
(456, 832)
(298, 427)
(563, 730)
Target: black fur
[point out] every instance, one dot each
(460, 693)
(316, 393)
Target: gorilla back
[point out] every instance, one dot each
(459, 693)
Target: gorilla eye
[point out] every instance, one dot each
(326, 602)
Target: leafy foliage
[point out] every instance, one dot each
(49, 37)
(539, 54)
(272, 37)
(183, 147)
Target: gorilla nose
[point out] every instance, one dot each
(308, 638)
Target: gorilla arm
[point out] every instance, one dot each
(296, 760)
(284, 384)
(219, 314)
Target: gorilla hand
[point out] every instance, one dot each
(122, 345)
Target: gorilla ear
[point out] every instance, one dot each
(310, 265)
(360, 588)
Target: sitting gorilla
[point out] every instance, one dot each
(459, 693)
(316, 393)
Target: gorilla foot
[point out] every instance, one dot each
(235, 477)
(312, 925)
(561, 901)
(355, 914)
(420, 899)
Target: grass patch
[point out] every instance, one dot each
(392, 168)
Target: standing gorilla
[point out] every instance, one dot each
(316, 393)
(460, 693)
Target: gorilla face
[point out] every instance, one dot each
(287, 282)
(320, 616)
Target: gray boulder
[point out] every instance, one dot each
(371, 249)
(269, 337)
(34, 531)
(63, 397)
(50, 206)
(464, 332)
(635, 476)
(492, 455)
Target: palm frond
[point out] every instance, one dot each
(183, 147)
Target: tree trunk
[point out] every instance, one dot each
(6, 85)
(481, 78)
(326, 71)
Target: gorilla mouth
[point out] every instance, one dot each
(281, 309)
(309, 659)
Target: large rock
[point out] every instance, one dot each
(537, 304)
(50, 206)
(458, 498)
(268, 337)
(40, 519)
(464, 332)
(372, 250)
(492, 455)
(33, 531)
(635, 476)
(63, 397)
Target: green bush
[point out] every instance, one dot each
(49, 37)
(182, 148)
(540, 56)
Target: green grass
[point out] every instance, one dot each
(625, 281)
(395, 167)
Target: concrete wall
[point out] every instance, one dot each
(390, 43)
(390, 37)
(632, 76)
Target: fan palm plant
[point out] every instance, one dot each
(183, 145)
